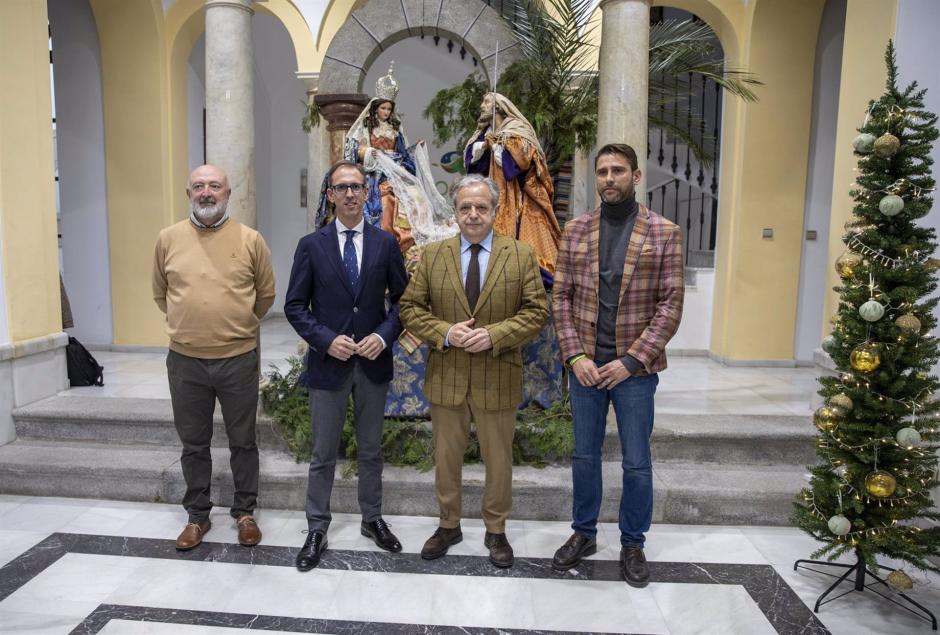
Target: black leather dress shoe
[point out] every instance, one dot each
(379, 532)
(569, 555)
(442, 538)
(633, 567)
(309, 555)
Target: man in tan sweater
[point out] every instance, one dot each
(212, 277)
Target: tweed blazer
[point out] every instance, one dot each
(512, 307)
(651, 291)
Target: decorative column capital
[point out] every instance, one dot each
(341, 110)
(603, 4)
(311, 81)
(244, 5)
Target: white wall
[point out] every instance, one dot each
(695, 329)
(825, 110)
(80, 152)
(4, 325)
(421, 70)
(916, 44)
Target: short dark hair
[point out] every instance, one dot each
(619, 148)
(344, 164)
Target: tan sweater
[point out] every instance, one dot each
(214, 285)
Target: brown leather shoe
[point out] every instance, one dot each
(442, 538)
(248, 533)
(192, 534)
(500, 550)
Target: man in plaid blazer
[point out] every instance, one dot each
(617, 302)
(475, 299)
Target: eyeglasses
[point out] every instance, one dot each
(341, 188)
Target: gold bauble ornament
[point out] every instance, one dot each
(886, 145)
(900, 581)
(931, 264)
(842, 401)
(880, 484)
(865, 358)
(908, 323)
(847, 263)
(827, 418)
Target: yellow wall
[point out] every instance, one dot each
(757, 280)
(868, 26)
(137, 158)
(27, 188)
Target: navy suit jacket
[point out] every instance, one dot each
(321, 304)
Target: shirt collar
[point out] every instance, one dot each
(486, 243)
(341, 227)
(218, 223)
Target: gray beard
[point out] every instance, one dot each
(208, 215)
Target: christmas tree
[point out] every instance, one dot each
(870, 493)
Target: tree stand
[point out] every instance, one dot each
(860, 569)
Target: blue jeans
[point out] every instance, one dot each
(633, 407)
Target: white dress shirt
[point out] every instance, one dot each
(341, 230)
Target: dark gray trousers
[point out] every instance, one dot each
(327, 415)
(194, 386)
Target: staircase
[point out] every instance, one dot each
(708, 469)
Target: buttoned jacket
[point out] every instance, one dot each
(651, 290)
(512, 306)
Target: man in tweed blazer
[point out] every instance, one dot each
(475, 299)
(617, 301)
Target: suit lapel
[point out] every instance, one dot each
(498, 257)
(329, 236)
(455, 271)
(370, 247)
(641, 227)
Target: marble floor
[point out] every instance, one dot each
(691, 385)
(92, 566)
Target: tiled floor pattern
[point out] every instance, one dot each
(90, 566)
(691, 385)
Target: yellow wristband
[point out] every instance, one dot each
(574, 359)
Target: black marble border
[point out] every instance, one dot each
(776, 600)
(100, 617)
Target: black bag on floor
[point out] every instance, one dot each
(84, 370)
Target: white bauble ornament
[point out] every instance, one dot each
(828, 344)
(871, 311)
(839, 525)
(907, 437)
(864, 143)
(891, 205)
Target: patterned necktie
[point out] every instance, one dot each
(472, 285)
(349, 258)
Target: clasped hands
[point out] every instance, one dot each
(606, 377)
(344, 347)
(463, 335)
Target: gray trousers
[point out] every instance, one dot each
(327, 415)
(194, 386)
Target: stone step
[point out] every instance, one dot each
(119, 420)
(725, 439)
(683, 492)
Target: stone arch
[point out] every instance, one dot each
(378, 24)
(716, 17)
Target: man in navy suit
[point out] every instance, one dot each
(336, 301)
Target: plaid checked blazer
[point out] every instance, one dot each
(651, 291)
(512, 306)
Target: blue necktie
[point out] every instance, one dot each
(349, 258)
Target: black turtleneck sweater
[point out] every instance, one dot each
(617, 222)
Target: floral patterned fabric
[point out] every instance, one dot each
(541, 376)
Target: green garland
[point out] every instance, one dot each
(543, 436)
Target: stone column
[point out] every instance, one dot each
(624, 78)
(340, 110)
(582, 184)
(318, 152)
(230, 105)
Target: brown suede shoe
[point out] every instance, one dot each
(192, 534)
(500, 550)
(442, 538)
(248, 533)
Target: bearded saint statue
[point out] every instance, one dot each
(506, 149)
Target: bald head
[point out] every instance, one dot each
(208, 193)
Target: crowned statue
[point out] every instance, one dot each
(402, 198)
(506, 149)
